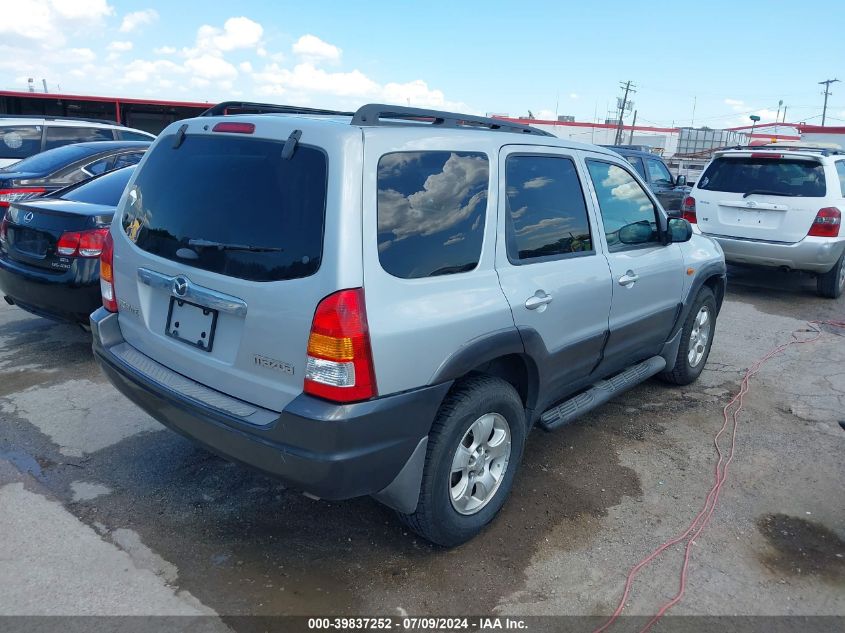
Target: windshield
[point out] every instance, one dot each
(233, 191)
(774, 176)
(105, 190)
(49, 161)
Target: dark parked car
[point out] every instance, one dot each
(63, 166)
(50, 248)
(669, 190)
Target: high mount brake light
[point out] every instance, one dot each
(235, 128)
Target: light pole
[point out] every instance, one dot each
(754, 118)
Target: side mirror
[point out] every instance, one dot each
(637, 233)
(679, 230)
(681, 180)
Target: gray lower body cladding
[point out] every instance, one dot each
(328, 450)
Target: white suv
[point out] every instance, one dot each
(776, 206)
(23, 136)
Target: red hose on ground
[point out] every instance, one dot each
(696, 527)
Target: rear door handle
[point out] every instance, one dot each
(537, 300)
(628, 278)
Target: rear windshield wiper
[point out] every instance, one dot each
(221, 246)
(767, 192)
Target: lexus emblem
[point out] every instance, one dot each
(180, 286)
(28, 217)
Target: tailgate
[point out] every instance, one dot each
(760, 195)
(227, 266)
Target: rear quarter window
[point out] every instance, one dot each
(20, 141)
(265, 213)
(57, 136)
(772, 176)
(431, 211)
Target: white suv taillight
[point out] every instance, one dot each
(827, 223)
(688, 210)
(339, 366)
(107, 274)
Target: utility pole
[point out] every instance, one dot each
(633, 125)
(826, 83)
(629, 88)
(784, 115)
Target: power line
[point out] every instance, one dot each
(826, 83)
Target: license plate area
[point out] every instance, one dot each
(191, 324)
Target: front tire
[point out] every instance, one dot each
(696, 340)
(474, 449)
(832, 283)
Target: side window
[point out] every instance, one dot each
(546, 212)
(20, 141)
(628, 214)
(431, 211)
(840, 171)
(57, 136)
(127, 160)
(637, 163)
(658, 173)
(99, 166)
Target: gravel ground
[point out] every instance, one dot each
(103, 511)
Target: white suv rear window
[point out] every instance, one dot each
(766, 176)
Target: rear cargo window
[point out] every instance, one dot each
(766, 176)
(232, 206)
(431, 208)
(20, 141)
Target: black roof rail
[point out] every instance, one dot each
(49, 117)
(373, 114)
(248, 107)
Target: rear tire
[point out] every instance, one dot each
(832, 283)
(696, 340)
(475, 446)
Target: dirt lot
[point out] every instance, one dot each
(102, 511)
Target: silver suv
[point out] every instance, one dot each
(385, 302)
(776, 206)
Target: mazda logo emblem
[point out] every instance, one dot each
(180, 286)
(28, 217)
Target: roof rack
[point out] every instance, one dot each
(248, 107)
(374, 114)
(379, 114)
(48, 117)
(824, 151)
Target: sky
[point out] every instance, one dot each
(702, 64)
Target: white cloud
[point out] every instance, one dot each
(82, 9)
(136, 19)
(49, 22)
(537, 183)
(734, 102)
(574, 95)
(307, 78)
(164, 50)
(142, 71)
(237, 33)
(314, 50)
(245, 67)
(211, 67)
(454, 239)
(119, 47)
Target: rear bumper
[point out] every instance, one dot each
(62, 297)
(328, 450)
(812, 254)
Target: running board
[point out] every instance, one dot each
(601, 392)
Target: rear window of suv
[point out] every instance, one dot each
(232, 206)
(20, 141)
(764, 175)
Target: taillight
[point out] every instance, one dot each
(82, 243)
(107, 274)
(4, 229)
(688, 210)
(827, 223)
(339, 366)
(7, 196)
